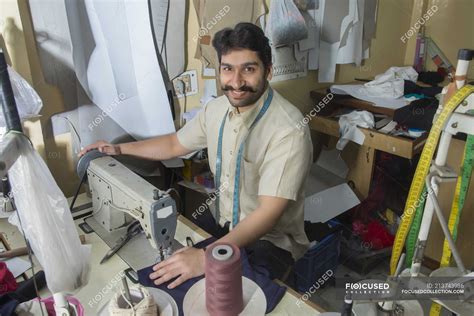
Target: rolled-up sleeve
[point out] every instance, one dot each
(193, 135)
(286, 165)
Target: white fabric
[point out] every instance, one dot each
(360, 92)
(390, 84)
(385, 90)
(406, 73)
(348, 127)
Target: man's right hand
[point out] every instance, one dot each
(103, 147)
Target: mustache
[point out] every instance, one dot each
(243, 88)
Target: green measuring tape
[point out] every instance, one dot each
(460, 194)
(415, 229)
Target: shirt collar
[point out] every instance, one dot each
(249, 116)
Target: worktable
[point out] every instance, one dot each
(101, 276)
(361, 158)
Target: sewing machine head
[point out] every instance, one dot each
(120, 196)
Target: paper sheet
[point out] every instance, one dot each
(350, 50)
(389, 127)
(320, 179)
(17, 266)
(100, 47)
(332, 161)
(325, 205)
(208, 72)
(334, 13)
(286, 66)
(315, 30)
(172, 31)
(210, 91)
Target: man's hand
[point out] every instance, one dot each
(103, 147)
(186, 263)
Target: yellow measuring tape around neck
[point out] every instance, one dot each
(422, 171)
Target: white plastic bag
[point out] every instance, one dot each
(27, 100)
(286, 24)
(47, 222)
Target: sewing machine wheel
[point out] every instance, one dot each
(84, 161)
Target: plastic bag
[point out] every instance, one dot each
(47, 222)
(286, 24)
(27, 100)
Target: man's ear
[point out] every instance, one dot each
(270, 72)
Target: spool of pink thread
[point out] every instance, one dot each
(223, 269)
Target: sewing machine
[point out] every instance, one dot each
(119, 196)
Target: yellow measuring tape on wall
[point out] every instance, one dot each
(422, 171)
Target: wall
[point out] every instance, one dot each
(387, 50)
(15, 44)
(450, 27)
(21, 46)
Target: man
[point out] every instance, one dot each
(252, 129)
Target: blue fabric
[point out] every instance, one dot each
(273, 292)
(8, 304)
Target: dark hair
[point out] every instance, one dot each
(243, 36)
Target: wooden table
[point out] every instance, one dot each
(361, 158)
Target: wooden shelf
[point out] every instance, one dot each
(400, 146)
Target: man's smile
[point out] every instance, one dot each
(238, 95)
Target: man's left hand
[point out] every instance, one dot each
(187, 262)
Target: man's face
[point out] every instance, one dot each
(243, 77)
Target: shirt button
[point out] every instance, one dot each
(227, 175)
(235, 130)
(230, 152)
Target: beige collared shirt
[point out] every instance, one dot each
(276, 160)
